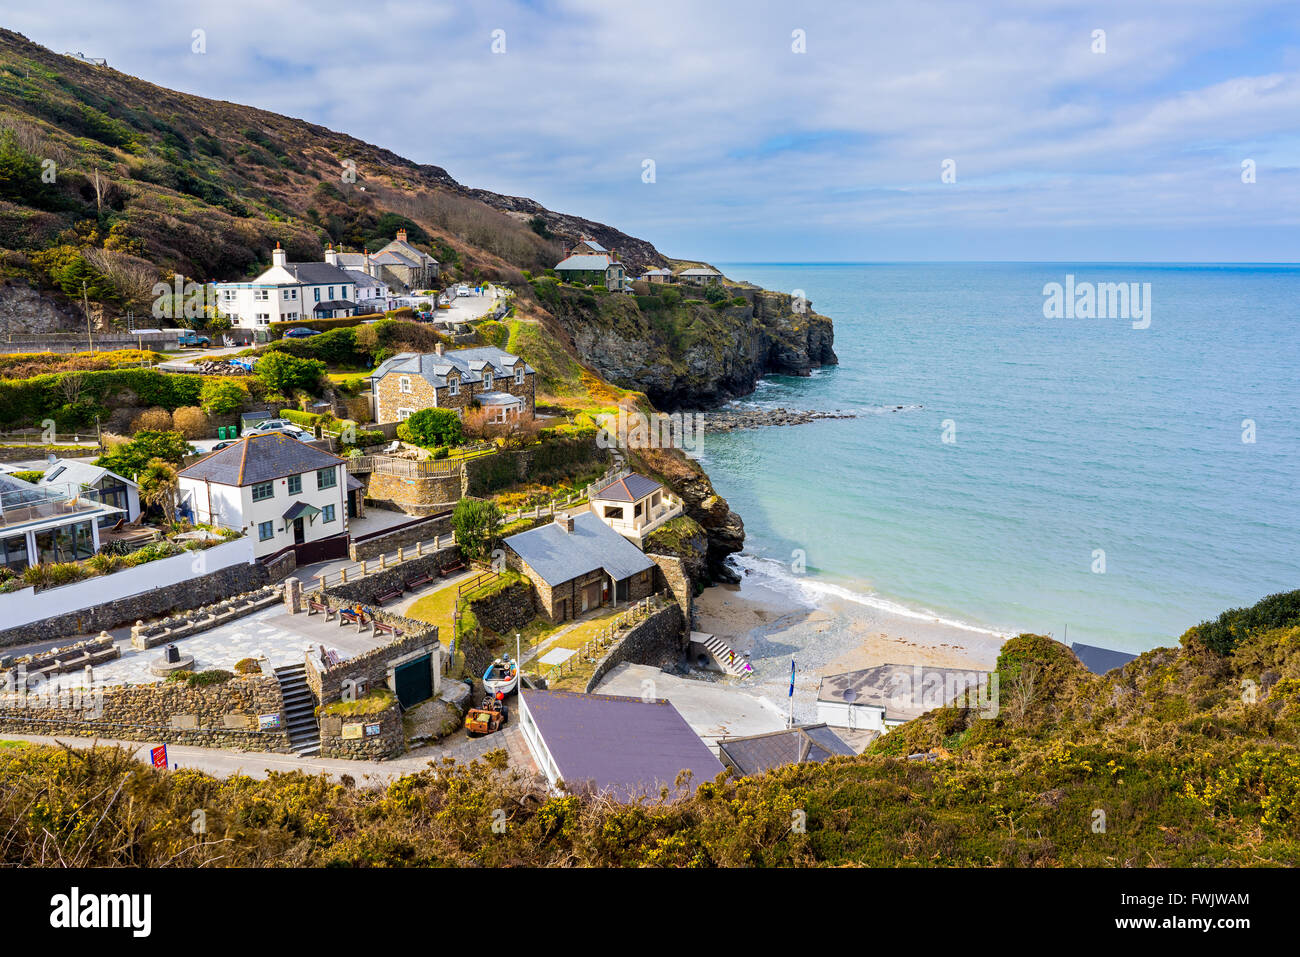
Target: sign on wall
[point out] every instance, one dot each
(372, 730)
(351, 731)
(268, 722)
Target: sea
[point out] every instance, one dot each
(1013, 467)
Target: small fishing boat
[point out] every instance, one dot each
(501, 676)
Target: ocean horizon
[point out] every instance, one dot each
(1096, 477)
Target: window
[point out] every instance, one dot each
(487, 380)
(265, 531)
(327, 513)
(316, 293)
(453, 387)
(404, 384)
(263, 491)
(327, 478)
(404, 414)
(343, 292)
(261, 295)
(331, 293)
(295, 484)
(263, 318)
(293, 293)
(519, 376)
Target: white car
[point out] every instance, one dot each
(462, 290)
(277, 425)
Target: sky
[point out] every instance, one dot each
(758, 131)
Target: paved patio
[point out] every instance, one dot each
(272, 633)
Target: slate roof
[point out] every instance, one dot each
(763, 752)
(364, 279)
(404, 249)
(625, 747)
(630, 488)
(259, 458)
(330, 305)
(697, 271)
(469, 364)
(591, 244)
(903, 691)
(318, 274)
(586, 262)
(390, 258)
(1100, 660)
(558, 556)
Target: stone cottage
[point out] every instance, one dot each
(494, 379)
(578, 563)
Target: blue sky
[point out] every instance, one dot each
(763, 153)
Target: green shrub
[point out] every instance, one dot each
(199, 679)
(430, 428)
(1233, 626)
(130, 458)
(284, 374)
(222, 396)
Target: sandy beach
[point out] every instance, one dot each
(832, 636)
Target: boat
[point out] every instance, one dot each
(501, 676)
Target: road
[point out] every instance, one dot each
(223, 763)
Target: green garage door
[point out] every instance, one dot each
(414, 681)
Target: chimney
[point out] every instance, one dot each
(565, 522)
(439, 349)
(331, 256)
(401, 235)
(277, 256)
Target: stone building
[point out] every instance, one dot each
(489, 377)
(634, 506)
(578, 563)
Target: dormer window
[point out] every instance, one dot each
(487, 380)
(404, 384)
(519, 375)
(453, 386)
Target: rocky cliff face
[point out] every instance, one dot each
(723, 528)
(691, 354)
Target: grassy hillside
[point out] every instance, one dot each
(148, 179)
(1189, 753)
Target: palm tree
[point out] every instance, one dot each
(158, 484)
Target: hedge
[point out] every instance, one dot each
(25, 402)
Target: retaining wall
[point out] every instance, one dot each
(656, 641)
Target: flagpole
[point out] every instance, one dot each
(790, 723)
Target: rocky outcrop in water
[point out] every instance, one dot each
(729, 420)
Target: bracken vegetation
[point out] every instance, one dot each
(1189, 753)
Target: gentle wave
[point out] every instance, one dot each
(774, 574)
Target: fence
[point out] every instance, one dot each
(607, 638)
(33, 437)
(370, 566)
(402, 468)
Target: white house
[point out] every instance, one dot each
(288, 292)
(108, 487)
(634, 506)
(283, 493)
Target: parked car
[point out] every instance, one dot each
(193, 339)
(283, 426)
(462, 290)
(300, 333)
(223, 445)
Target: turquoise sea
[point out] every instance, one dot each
(1073, 437)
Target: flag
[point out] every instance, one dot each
(791, 677)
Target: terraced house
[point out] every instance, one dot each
(491, 378)
(288, 292)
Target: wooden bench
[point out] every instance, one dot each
(349, 617)
(385, 629)
(454, 567)
(413, 583)
(314, 606)
(389, 596)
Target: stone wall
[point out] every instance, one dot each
(415, 496)
(379, 735)
(199, 590)
(368, 589)
(371, 670)
(675, 575)
(545, 462)
(656, 641)
(508, 610)
(420, 531)
(222, 715)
